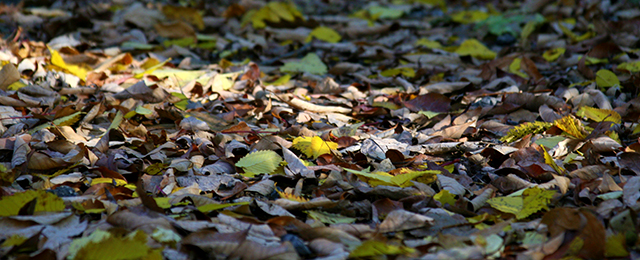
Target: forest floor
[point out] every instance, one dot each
(404, 129)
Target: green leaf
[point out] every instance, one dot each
(260, 162)
(429, 114)
(382, 12)
(606, 78)
(116, 120)
(310, 63)
(184, 101)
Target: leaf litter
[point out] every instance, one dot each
(411, 129)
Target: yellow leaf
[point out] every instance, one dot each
(407, 175)
(104, 245)
(445, 197)
(514, 68)
(530, 201)
(57, 60)
(549, 160)
(163, 202)
(593, 61)
(282, 10)
(631, 67)
(152, 69)
(291, 197)
(224, 81)
(535, 199)
(476, 49)
(187, 14)
(606, 78)
(280, 81)
(511, 205)
(370, 248)
(373, 178)
(599, 115)
(119, 182)
(45, 202)
(467, 17)
(273, 12)
(68, 120)
(16, 85)
(149, 63)
(407, 72)
(211, 207)
(313, 146)
(571, 126)
(324, 33)
(13, 240)
(615, 246)
(428, 43)
(553, 54)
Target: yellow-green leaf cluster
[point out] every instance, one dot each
(524, 129)
(523, 204)
(313, 146)
(45, 202)
(259, 162)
